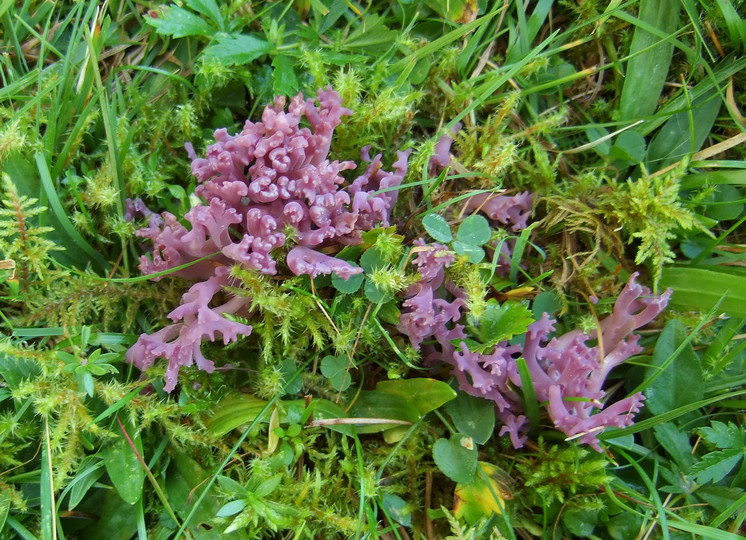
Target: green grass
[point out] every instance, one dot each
(624, 118)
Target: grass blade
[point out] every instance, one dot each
(648, 68)
(59, 211)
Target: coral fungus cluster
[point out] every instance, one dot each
(270, 182)
(566, 372)
(272, 198)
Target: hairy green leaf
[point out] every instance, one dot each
(178, 22)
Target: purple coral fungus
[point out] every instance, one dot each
(273, 177)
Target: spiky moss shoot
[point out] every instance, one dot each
(651, 210)
(99, 191)
(186, 120)
(557, 472)
(12, 139)
(269, 383)
(16, 502)
(469, 277)
(391, 280)
(348, 85)
(314, 64)
(211, 73)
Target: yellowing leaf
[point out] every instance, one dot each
(485, 496)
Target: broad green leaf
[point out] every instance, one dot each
(285, 83)
(723, 435)
(681, 382)
(651, 57)
(209, 9)
(425, 394)
(545, 302)
(674, 141)
(237, 49)
(232, 508)
(268, 486)
(456, 458)
(629, 147)
(472, 416)
(580, 522)
(724, 203)
(702, 288)
(348, 286)
(474, 253)
(676, 443)
(178, 22)
(735, 177)
(337, 370)
(397, 509)
(474, 230)
(375, 404)
(500, 322)
(371, 36)
(376, 294)
(594, 133)
(483, 497)
(124, 468)
(373, 259)
(719, 497)
(420, 71)
(437, 227)
(624, 526)
(116, 519)
(714, 466)
(234, 411)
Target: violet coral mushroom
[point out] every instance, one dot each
(566, 372)
(272, 177)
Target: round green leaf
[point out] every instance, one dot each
(474, 230)
(348, 286)
(337, 371)
(474, 253)
(437, 227)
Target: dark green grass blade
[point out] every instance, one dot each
(647, 71)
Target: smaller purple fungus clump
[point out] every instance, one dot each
(566, 372)
(271, 180)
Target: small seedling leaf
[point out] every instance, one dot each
(337, 369)
(501, 322)
(284, 79)
(474, 253)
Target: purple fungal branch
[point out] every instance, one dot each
(566, 371)
(272, 178)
